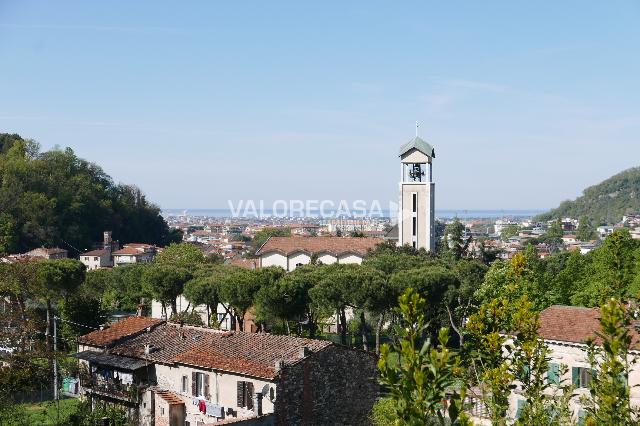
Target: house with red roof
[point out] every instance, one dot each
(165, 373)
(565, 330)
(291, 252)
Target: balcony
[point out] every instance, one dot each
(96, 385)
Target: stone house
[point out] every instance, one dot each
(170, 374)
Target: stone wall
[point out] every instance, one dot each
(336, 386)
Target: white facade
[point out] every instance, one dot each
(182, 305)
(291, 262)
(96, 260)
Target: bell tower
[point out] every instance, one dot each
(416, 213)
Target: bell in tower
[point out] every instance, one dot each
(416, 215)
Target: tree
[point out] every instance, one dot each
(432, 283)
(205, 288)
(455, 243)
(390, 260)
(239, 287)
(585, 231)
(334, 291)
(611, 271)
(54, 198)
(57, 279)
(484, 345)
(165, 283)
(420, 375)
(184, 255)
(554, 234)
(609, 402)
(459, 299)
(289, 299)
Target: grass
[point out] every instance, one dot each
(45, 413)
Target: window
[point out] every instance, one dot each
(162, 411)
(415, 202)
(414, 244)
(298, 265)
(415, 226)
(245, 395)
(95, 258)
(581, 376)
(200, 384)
(553, 374)
(185, 384)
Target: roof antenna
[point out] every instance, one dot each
(417, 125)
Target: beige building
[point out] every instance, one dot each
(291, 252)
(169, 374)
(416, 214)
(565, 330)
(96, 259)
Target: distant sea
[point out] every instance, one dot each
(443, 214)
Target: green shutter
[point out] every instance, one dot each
(553, 374)
(575, 376)
(582, 417)
(520, 406)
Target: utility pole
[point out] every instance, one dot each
(55, 366)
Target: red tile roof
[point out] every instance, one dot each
(100, 252)
(313, 245)
(245, 263)
(128, 251)
(171, 397)
(119, 330)
(252, 354)
(573, 324)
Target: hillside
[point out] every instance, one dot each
(605, 202)
(54, 198)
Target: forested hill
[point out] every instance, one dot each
(605, 202)
(54, 198)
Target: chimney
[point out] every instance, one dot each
(139, 310)
(304, 352)
(257, 403)
(106, 240)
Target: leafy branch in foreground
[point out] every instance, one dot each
(422, 378)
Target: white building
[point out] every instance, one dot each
(416, 214)
(134, 253)
(291, 252)
(96, 259)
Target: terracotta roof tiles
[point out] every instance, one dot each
(119, 330)
(252, 354)
(573, 324)
(313, 245)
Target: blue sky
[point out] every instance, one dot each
(197, 103)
